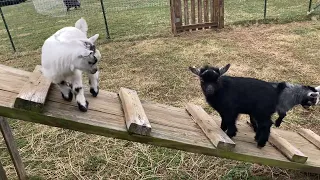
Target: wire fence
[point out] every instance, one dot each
(32, 21)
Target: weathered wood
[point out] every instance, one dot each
(177, 10)
(193, 12)
(221, 14)
(212, 10)
(3, 175)
(290, 151)
(310, 136)
(12, 148)
(286, 148)
(206, 10)
(218, 138)
(106, 118)
(136, 119)
(200, 11)
(186, 12)
(204, 25)
(173, 18)
(34, 92)
(216, 13)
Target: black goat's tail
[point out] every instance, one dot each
(281, 86)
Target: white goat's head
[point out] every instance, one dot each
(88, 56)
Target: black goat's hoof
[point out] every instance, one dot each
(232, 134)
(277, 124)
(83, 108)
(261, 144)
(69, 98)
(93, 92)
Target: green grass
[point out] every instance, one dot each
(144, 56)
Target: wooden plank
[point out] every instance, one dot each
(109, 125)
(206, 10)
(204, 25)
(172, 15)
(193, 11)
(212, 10)
(216, 13)
(199, 11)
(186, 12)
(136, 119)
(34, 92)
(12, 148)
(221, 14)
(218, 138)
(177, 11)
(290, 151)
(286, 148)
(107, 120)
(3, 175)
(310, 136)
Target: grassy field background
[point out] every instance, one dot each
(144, 56)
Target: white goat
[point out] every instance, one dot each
(65, 55)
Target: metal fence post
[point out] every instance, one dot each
(105, 19)
(5, 24)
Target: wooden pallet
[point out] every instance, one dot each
(125, 116)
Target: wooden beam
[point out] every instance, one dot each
(310, 136)
(34, 92)
(3, 175)
(12, 148)
(286, 148)
(214, 133)
(136, 119)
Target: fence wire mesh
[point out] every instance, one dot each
(32, 21)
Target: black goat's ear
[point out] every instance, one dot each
(224, 69)
(313, 94)
(194, 70)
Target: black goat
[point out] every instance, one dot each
(231, 96)
(71, 3)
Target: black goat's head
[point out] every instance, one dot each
(209, 76)
(311, 98)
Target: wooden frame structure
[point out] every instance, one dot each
(189, 129)
(191, 15)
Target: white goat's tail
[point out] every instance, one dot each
(82, 25)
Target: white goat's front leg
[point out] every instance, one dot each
(78, 91)
(94, 83)
(66, 90)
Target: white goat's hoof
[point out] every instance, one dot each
(93, 92)
(83, 108)
(69, 98)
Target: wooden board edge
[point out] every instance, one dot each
(133, 127)
(311, 136)
(222, 142)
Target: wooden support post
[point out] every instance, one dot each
(136, 119)
(13, 151)
(286, 148)
(34, 92)
(214, 133)
(221, 14)
(310, 136)
(3, 175)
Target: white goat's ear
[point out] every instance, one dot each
(317, 88)
(93, 38)
(194, 70)
(224, 69)
(82, 25)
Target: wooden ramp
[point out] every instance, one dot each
(188, 129)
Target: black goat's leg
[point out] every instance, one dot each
(263, 131)
(253, 123)
(280, 118)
